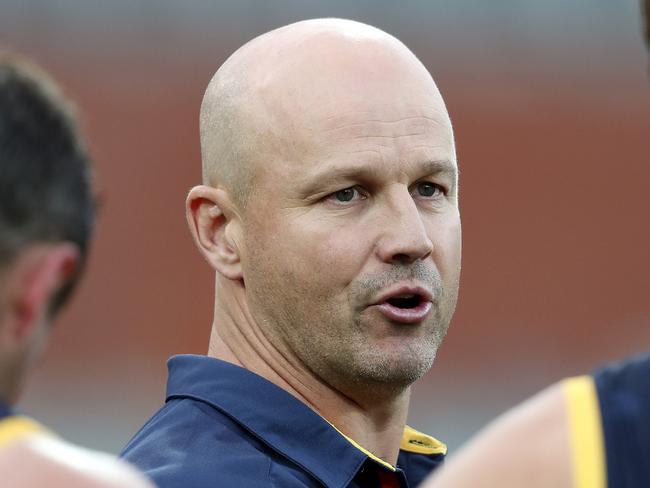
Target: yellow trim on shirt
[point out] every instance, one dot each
(16, 427)
(415, 441)
(586, 435)
(412, 441)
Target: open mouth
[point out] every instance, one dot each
(405, 301)
(408, 305)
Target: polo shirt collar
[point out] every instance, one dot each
(272, 415)
(269, 413)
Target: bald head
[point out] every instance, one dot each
(262, 103)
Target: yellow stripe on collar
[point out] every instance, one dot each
(417, 442)
(412, 441)
(16, 427)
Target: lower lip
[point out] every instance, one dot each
(405, 315)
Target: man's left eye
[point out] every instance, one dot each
(427, 189)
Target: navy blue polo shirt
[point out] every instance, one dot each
(624, 400)
(224, 426)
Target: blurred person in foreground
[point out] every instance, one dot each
(585, 432)
(329, 212)
(46, 219)
(591, 431)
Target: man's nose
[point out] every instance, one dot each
(403, 238)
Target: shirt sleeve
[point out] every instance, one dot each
(17, 427)
(585, 433)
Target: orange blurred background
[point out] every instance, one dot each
(551, 107)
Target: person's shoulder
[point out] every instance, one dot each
(14, 427)
(631, 375)
(624, 397)
(44, 460)
(528, 446)
(181, 424)
(188, 442)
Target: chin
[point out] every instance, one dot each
(400, 369)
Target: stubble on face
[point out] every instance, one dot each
(334, 332)
(411, 355)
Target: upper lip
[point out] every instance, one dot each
(404, 290)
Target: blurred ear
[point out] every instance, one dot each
(37, 274)
(213, 222)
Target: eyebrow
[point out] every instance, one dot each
(367, 171)
(441, 166)
(446, 168)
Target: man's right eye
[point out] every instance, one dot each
(345, 195)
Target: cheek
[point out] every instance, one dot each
(310, 255)
(447, 241)
(341, 251)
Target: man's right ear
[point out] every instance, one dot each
(211, 215)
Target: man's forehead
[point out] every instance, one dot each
(368, 164)
(353, 141)
(363, 152)
(386, 120)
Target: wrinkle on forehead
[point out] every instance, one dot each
(394, 128)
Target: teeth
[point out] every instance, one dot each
(405, 296)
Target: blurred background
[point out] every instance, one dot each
(551, 106)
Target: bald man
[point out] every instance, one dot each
(329, 213)
(46, 218)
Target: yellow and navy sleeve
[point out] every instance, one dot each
(624, 400)
(16, 427)
(585, 433)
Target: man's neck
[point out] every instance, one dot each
(378, 429)
(374, 419)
